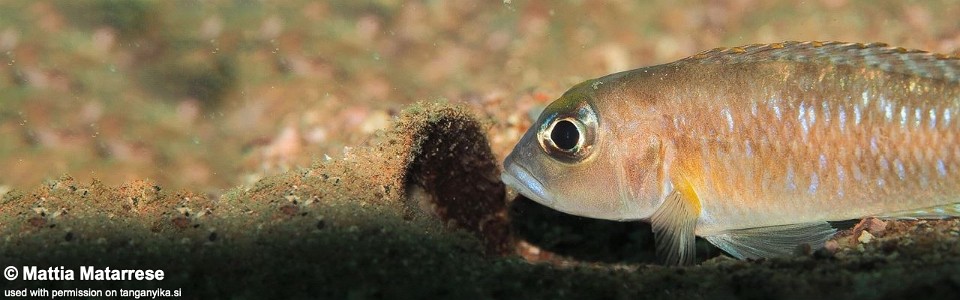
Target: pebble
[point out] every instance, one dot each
(831, 246)
(865, 237)
(875, 226)
(375, 121)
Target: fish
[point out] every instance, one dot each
(754, 148)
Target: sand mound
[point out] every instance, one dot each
(427, 187)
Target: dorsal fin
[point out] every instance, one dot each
(873, 55)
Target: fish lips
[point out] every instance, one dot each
(520, 179)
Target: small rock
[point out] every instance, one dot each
(321, 224)
(37, 222)
(180, 222)
(875, 226)
(831, 246)
(375, 121)
(289, 209)
(865, 237)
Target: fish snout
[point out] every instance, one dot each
(524, 182)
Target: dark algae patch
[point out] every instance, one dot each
(420, 213)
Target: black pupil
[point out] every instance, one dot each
(565, 135)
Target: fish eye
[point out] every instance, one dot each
(565, 135)
(569, 136)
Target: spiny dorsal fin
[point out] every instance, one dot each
(873, 55)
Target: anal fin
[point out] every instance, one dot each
(773, 241)
(933, 212)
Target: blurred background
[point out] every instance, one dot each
(206, 95)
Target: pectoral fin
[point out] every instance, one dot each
(764, 242)
(673, 227)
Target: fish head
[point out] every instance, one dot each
(569, 160)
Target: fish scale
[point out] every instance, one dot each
(754, 147)
(896, 157)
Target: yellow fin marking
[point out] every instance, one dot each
(685, 188)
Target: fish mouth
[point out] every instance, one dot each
(520, 179)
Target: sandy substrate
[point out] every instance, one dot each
(419, 212)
